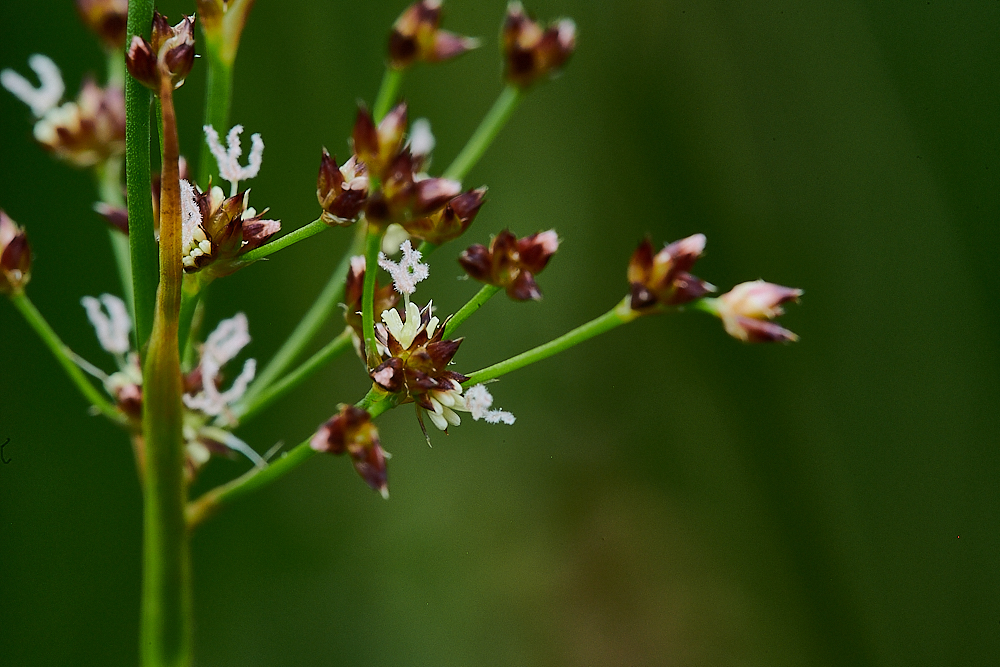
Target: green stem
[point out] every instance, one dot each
(300, 234)
(218, 101)
(165, 639)
(387, 92)
(332, 294)
(481, 297)
(484, 135)
(620, 314)
(190, 296)
(373, 242)
(376, 402)
(142, 242)
(279, 389)
(65, 358)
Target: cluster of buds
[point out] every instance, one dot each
(216, 230)
(107, 19)
(417, 36)
(351, 431)
(511, 263)
(205, 402)
(532, 52)
(15, 256)
(169, 52)
(84, 132)
(662, 279)
(431, 209)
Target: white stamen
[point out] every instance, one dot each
(408, 271)
(228, 158)
(223, 345)
(421, 139)
(49, 92)
(112, 329)
(190, 217)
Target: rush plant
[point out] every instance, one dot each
(176, 230)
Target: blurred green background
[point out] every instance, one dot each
(668, 496)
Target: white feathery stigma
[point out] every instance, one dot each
(478, 401)
(222, 346)
(229, 158)
(407, 272)
(44, 98)
(112, 323)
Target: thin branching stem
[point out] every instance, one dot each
(387, 92)
(494, 121)
(466, 311)
(65, 357)
(301, 234)
(373, 242)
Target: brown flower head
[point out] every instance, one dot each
(15, 256)
(217, 230)
(87, 131)
(532, 52)
(379, 146)
(351, 431)
(746, 311)
(511, 263)
(450, 221)
(107, 18)
(170, 52)
(417, 36)
(662, 278)
(341, 191)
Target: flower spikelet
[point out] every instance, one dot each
(746, 311)
(15, 256)
(662, 278)
(351, 431)
(511, 263)
(417, 36)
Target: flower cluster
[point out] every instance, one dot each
(386, 180)
(417, 36)
(15, 256)
(351, 431)
(84, 132)
(511, 263)
(107, 19)
(532, 52)
(168, 53)
(207, 406)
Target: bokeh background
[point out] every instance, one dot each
(668, 496)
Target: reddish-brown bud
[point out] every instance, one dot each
(449, 222)
(511, 263)
(379, 146)
(663, 278)
(416, 36)
(351, 431)
(746, 311)
(107, 18)
(341, 191)
(15, 256)
(532, 52)
(169, 52)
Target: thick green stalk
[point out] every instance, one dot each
(387, 92)
(165, 639)
(265, 398)
(373, 242)
(326, 302)
(487, 131)
(218, 101)
(142, 242)
(620, 314)
(65, 358)
(301, 234)
(376, 402)
(466, 311)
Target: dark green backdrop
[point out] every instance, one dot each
(668, 496)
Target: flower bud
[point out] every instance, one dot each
(511, 263)
(531, 52)
(107, 18)
(449, 222)
(341, 191)
(170, 52)
(352, 431)
(663, 278)
(416, 36)
(15, 256)
(746, 311)
(379, 146)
